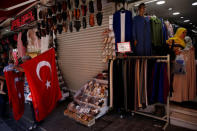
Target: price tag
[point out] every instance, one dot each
(124, 47)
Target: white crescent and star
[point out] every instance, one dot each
(39, 66)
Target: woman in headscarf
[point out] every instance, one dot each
(183, 83)
(177, 42)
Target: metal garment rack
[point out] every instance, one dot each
(166, 59)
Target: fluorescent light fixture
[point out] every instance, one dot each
(151, 1)
(170, 9)
(176, 13)
(136, 5)
(186, 21)
(194, 4)
(18, 5)
(161, 2)
(181, 17)
(195, 31)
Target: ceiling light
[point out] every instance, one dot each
(195, 31)
(194, 4)
(150, 1)
(18, 5)
(136, 5)
(181, 17)
(176, 13)
(190, 23)
(170, 9)
(186, 21)
(161, 2)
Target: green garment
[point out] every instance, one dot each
(156, 31)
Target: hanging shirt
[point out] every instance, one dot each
(44, 43)
(141, 33)
(20, 47)
(33, 41)
(169, 28)
(164, 32)
(156, 31)
(122, 26)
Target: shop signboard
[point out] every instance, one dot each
(26, 18)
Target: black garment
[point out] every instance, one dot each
(47, 28)
(59, 28)
(76, 3)
(38, 34)
(77, 25)
(124, 84)
(84, 22)
(49, 12)
(71, 26)
(38, 26)
(64, 5)
(83, 1)
(43, 24)
(59, 7)
(131, 84)
(91, 7)
(108, 72)
(64, 16)
(54, 20)
(99, 5)
(40, 14)
(155, 96)
(59, 18)
(43, 32)
(50, 22)
(124, 74)
(118, 90)
(54, 9)
(99, 18)
(150, 75)
(69, 5)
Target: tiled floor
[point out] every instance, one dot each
(56, 121)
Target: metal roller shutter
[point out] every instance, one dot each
(80, 53)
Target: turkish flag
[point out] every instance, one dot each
(43, 82)
(15, 85)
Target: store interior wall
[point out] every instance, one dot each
(80, 53)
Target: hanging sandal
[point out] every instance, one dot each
(109, 40)
(105, 40)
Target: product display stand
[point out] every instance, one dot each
(166, 59)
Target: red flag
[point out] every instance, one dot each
(43, 82)
(15, 85)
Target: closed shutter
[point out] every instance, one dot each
(80, 53)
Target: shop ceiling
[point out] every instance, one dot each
(186, 12)
(184, 7)
(9, 9)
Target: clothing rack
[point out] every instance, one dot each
(166, 59)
